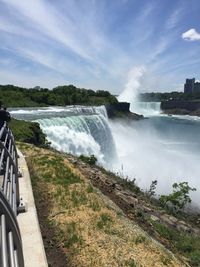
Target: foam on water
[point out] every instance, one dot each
(83, 134)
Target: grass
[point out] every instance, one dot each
(54, 170)
(104, 222)
(79, 223)
(184, 243)
(90, 189)
(131, 263)
(95, 205)
(78, 198)
(73, 237)
(125, 183)
(29, 132)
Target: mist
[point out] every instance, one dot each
(132, 87)
(158, 149)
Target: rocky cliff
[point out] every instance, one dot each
(121, 110)
(181, 107)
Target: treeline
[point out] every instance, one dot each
(13, 96)
(154, 97)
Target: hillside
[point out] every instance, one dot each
(83, 227)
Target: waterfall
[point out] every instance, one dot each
(77, 130)
(101, 110)
(146, 108)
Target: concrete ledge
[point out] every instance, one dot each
(33, 248)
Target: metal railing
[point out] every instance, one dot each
(11, 254)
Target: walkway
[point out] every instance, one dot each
(33, 248)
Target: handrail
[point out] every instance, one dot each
(11, 254)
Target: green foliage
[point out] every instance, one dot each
(195, 259)
(185, 243)
(89, 160)
(154, 97)
(179, 198)
(165, 232)
(13, 96)
(130, 263)
(140, 239)
(28, 132)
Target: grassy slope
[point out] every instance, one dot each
(80, 226)
(28, 132)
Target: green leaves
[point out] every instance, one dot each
(179, 198)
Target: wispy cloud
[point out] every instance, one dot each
(174, 18)
(90, 43)
(191, 35)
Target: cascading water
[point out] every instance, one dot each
(83, 134)
(75, 129)
(146, 108)
(162, 148)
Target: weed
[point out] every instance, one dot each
(78, 198)
(71, 234)
(195, 258)
(166, 260)
(105, 220)
(140, 216)
(90, 189)
(94, 205)
(130, 263)
(140, 239)
(165, 232)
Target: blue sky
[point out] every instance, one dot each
(100, 44)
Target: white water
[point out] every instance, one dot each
(145, 108)
(83, 134)
(75, 129)
(163, 148)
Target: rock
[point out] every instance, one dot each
(154, 218)
(166, 218)
(147, 209)
(128, 200)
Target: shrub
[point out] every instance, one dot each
(179, 198)
(89, 160)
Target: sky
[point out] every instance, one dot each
(100, 44)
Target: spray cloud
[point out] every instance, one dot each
(132, 86)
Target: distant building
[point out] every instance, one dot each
(196, 88)
(189, 86)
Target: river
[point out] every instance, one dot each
(160, 147)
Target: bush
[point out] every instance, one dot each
(179, 198)
(89, 160)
